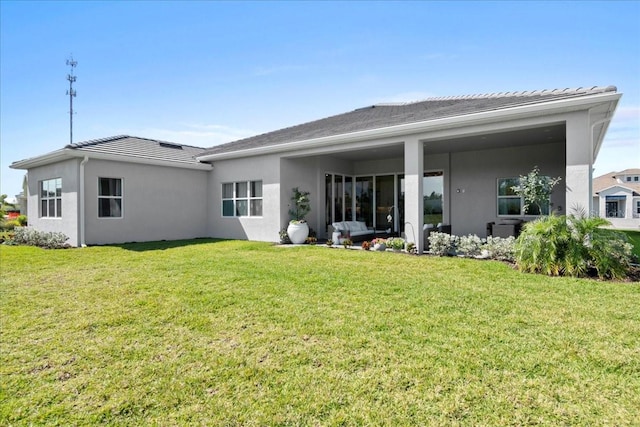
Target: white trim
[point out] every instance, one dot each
(248, 198)
(48, 199)
(121, 197)
(70, 153)
(614, 186)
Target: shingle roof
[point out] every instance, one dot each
(132, 146)
(385, 115)
(608, 180)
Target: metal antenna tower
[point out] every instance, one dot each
(72, 93)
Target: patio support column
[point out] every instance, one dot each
(579, 164)
(413, 192)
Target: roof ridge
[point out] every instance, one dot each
(91, 142)
(95, 141)
(566, 91)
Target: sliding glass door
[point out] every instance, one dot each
(378, 200)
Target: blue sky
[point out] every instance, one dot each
(204, 73)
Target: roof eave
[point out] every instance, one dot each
(624, 187)
(606, 122)
(70, 153)
(143, 160)
(532, 110)
(43, 160)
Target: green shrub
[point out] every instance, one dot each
(442, 244)
(573, 246)
(500, 248)
(9, 225)
(22, 220)
(469, 246)
(284, 237)
(48, 240)
(396, 243)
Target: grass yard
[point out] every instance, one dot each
(634, 239)
(242, 333)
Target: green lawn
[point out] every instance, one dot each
(240, 333)
(634, 239)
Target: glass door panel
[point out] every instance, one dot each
(433, 189)
(348, 198)
(400, 205)
(337, 198)
(385, 208)
(328, 185)
(364, 200)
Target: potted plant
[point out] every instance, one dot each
(298, 229)
(396, 243)
(379, 244)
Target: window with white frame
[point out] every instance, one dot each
(109, 197)
(511, 204)
(638, 207)
(243, 198)
(51, 198)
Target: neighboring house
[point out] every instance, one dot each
(361, 165)
(617, 198)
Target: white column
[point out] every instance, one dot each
(413, 192)
(579, 164)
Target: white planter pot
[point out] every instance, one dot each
(298, 233)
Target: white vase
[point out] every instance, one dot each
(298, 232)
(380, 247)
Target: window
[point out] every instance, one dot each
(628, 179)
(109, 198)
(638, 207)
(511, 204)
(635, 178)
(242, 198)
(51, 198)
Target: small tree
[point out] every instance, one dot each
(301, 205)
(535, 190)
(4, 205)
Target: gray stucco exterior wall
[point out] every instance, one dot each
(259, 168)
(159, 203)
(67, 171)
(475, 174)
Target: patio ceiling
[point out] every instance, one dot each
(515, 138)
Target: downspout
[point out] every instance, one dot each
(81, 201)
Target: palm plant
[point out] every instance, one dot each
(576, 246)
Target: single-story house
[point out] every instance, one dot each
(393, 166)
(617, 198)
